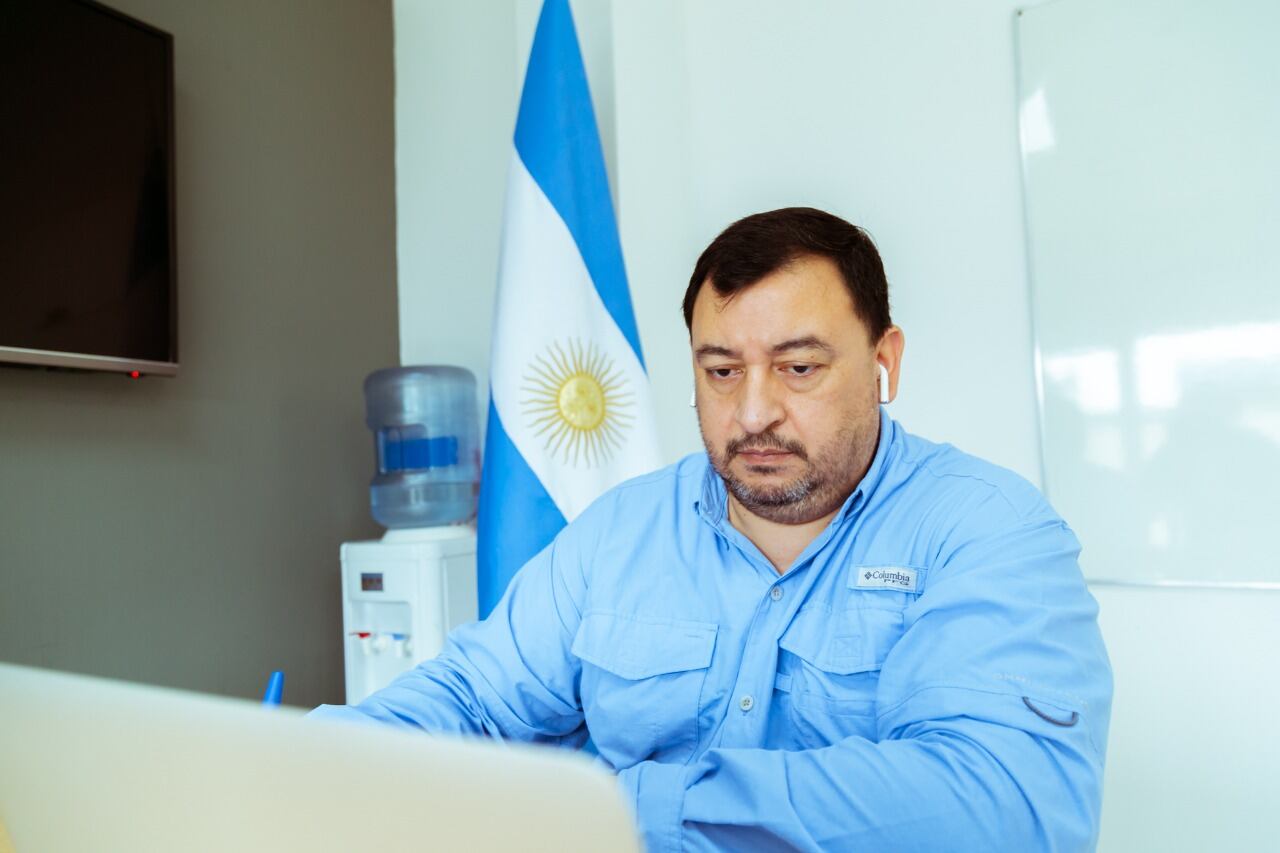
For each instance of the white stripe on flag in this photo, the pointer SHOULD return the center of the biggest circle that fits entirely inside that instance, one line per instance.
(546, 300)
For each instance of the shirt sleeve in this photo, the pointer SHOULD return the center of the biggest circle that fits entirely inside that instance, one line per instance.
(992, 712)
(511, 676)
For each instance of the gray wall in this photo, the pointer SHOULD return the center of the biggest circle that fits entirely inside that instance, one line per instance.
(185, 531)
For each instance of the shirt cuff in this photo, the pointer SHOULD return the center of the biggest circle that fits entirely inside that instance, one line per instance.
(656, 793)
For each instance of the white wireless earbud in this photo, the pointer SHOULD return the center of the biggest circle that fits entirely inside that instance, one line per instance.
(693, 399)
(884, 383)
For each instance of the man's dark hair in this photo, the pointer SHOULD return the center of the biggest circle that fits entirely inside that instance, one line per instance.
(752, 248)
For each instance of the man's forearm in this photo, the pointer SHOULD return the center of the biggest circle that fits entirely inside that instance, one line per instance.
(950, 788)
(432, 697)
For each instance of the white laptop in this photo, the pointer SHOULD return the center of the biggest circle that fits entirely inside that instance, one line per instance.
(88, 764)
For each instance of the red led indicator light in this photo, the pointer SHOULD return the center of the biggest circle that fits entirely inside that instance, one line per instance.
(135, 374)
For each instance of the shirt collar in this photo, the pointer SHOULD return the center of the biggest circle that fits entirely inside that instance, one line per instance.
(713, 501)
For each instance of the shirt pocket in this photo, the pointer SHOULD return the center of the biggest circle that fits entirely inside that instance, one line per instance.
(829, 669)
(642, 681)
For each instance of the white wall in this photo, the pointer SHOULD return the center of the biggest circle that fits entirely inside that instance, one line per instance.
(900, 117)
(1193, 752)
(456, 95)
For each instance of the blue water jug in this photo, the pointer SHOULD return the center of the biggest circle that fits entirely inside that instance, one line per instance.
(424, 426)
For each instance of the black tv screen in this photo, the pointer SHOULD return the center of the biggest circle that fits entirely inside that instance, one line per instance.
(87, 255)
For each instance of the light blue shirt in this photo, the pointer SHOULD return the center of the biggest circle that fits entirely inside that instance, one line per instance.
(928, 675)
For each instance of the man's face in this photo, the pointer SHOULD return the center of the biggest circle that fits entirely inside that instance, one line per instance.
(788, 401)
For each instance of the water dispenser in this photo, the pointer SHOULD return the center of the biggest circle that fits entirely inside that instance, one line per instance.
(402, 594)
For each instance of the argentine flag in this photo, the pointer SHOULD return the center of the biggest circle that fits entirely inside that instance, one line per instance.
(570, 412)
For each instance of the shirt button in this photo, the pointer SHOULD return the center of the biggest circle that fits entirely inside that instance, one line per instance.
(775, 593)
(746, 703)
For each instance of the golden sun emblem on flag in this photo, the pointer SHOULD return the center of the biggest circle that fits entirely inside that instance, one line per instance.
(577, 401)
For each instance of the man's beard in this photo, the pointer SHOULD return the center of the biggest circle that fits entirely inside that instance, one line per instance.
(820, 488)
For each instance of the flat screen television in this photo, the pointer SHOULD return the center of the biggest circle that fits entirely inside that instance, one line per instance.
(87, 254)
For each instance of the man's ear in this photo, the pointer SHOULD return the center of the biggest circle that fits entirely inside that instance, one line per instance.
(889, 362)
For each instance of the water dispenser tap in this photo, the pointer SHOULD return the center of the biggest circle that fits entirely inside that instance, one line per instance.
(401, 644)
(364, 638)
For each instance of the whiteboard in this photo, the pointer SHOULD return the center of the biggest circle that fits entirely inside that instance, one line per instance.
(1150, 135)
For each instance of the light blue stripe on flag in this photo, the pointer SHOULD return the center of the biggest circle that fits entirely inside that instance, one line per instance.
(508, 484)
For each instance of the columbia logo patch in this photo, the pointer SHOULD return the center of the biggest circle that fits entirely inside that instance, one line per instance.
(886, 577)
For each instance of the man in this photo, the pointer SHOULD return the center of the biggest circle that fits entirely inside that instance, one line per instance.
(823, 633)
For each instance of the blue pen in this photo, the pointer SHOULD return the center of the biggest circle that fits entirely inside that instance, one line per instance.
(275, 689)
